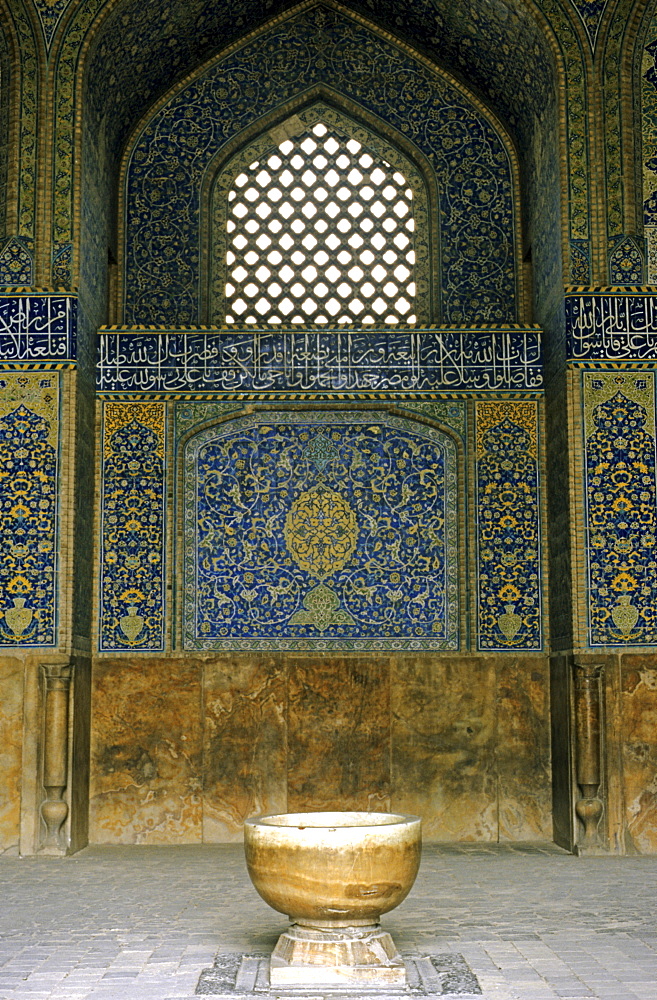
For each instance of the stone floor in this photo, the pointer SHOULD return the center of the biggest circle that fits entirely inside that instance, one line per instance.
(125, 923)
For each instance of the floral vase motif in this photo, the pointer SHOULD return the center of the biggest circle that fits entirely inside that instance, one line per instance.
(624, 614)
(19, 617)
(509, 623)
(132, 623)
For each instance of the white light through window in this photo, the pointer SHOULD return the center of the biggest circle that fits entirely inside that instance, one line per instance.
(320, 231)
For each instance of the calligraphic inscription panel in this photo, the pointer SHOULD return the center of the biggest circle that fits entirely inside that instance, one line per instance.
(38, 328)
(508, 526)
(132, 526)
(29, 441)
(273, 361)
(621, 500)
(603, 327)
(318, 530)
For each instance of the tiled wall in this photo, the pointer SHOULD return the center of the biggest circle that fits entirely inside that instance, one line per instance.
(621, 505)
(327, 527)
(29, 486)
(297, 537)
(132, 545)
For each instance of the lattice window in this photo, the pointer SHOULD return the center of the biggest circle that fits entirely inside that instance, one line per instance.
(320, 231)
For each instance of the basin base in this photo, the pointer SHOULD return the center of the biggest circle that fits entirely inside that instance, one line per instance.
(310, 955)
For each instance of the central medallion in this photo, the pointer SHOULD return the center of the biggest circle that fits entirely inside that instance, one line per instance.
(321, 532)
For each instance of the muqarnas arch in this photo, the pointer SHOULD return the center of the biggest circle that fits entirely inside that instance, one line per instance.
(262, 81)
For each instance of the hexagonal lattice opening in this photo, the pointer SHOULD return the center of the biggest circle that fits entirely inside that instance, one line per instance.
(320, 231)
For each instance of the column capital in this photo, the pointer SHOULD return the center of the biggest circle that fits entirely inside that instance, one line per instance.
(57, 674)
(587, 672)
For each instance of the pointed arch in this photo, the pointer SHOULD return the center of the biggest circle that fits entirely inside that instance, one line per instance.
(355, 122)
(471, 155)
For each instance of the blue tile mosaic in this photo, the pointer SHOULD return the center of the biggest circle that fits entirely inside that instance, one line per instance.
(508, 527)
(133, 523)
(122, 82)
(649, 129)
(62, 265)
(15, 263)
(29, 447)
(626, 262)
(611, 327)
(276, 361)
(318, 47)
(580, 262)
(320, 529)
(591, 12)
(50, 13)
(621, 495)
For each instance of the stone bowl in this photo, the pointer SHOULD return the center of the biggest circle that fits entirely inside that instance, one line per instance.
(333, 869)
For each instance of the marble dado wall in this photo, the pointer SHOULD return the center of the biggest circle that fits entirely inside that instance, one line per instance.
(30, 551)
(634, 720)
(628, 759)
(11, 751)
(185, 748)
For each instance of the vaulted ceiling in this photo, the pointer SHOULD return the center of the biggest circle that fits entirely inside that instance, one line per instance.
(497, 48)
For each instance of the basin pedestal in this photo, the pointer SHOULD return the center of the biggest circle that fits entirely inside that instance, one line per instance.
(367, 954)
(334, 874)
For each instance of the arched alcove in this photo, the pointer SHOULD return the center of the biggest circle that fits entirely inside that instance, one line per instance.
(472, 160)
(200, 467)
(138, 44)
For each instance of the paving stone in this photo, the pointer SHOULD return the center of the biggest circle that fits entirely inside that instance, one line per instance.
(136, 923)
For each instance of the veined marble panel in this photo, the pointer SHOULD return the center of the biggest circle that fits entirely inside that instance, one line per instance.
(523, 749)
(443, 746)
(244, 743)
(639, 749)
(146, 746)
(339, 734)
(11, 741)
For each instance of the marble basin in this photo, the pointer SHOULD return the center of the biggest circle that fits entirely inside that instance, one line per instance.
(334, 874)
